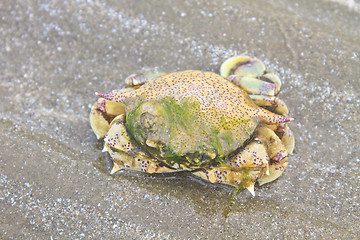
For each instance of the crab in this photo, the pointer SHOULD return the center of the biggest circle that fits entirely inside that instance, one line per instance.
(228, 128)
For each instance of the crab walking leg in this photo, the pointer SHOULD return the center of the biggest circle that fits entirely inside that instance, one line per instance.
(133, 82)
(117, 137)
(270, 77)
(249, 74)
(125, 154)
(277, 153)
(254, 155)
(263, 160)
(277, 150)
(254, 158)
(287, 138)
(285, 134)
(253, 85)
(136, 80)
(138, 162)
(118, 96)
(242, 169)
(268, 101)
(227, 175)
(268, 84)
(242, 66)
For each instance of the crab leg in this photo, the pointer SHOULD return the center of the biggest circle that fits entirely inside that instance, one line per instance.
(136, 80)
(263, 160)
(139, 163)
(287, 138)
(117, 96)
(277, 153)
(286, 135)
(266, 101)
(242, 169)
(242, 66)
(249, 74)
(270, 77)
(227, 175)
(253, 85)
(117, 137)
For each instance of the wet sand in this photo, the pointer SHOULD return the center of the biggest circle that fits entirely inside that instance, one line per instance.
(55, 181)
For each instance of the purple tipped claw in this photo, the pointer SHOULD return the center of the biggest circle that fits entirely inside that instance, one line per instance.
(104, 95)
(118, 95)
(288, 119)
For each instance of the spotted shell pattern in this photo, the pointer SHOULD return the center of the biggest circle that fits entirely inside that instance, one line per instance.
(214, 107)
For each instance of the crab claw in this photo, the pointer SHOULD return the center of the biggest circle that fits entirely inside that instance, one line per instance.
(98, 122)
(102, 113)
(117, 136)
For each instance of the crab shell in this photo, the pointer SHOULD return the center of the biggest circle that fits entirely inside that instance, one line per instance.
(199, 122)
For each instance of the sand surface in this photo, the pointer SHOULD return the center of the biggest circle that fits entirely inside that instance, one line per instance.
(54, 179)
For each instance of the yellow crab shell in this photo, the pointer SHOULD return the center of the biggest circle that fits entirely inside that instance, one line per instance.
(196, 121)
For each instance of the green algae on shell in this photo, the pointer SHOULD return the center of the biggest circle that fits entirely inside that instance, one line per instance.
(192, 118)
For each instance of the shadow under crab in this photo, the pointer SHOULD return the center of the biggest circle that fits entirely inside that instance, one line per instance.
(227, 129)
